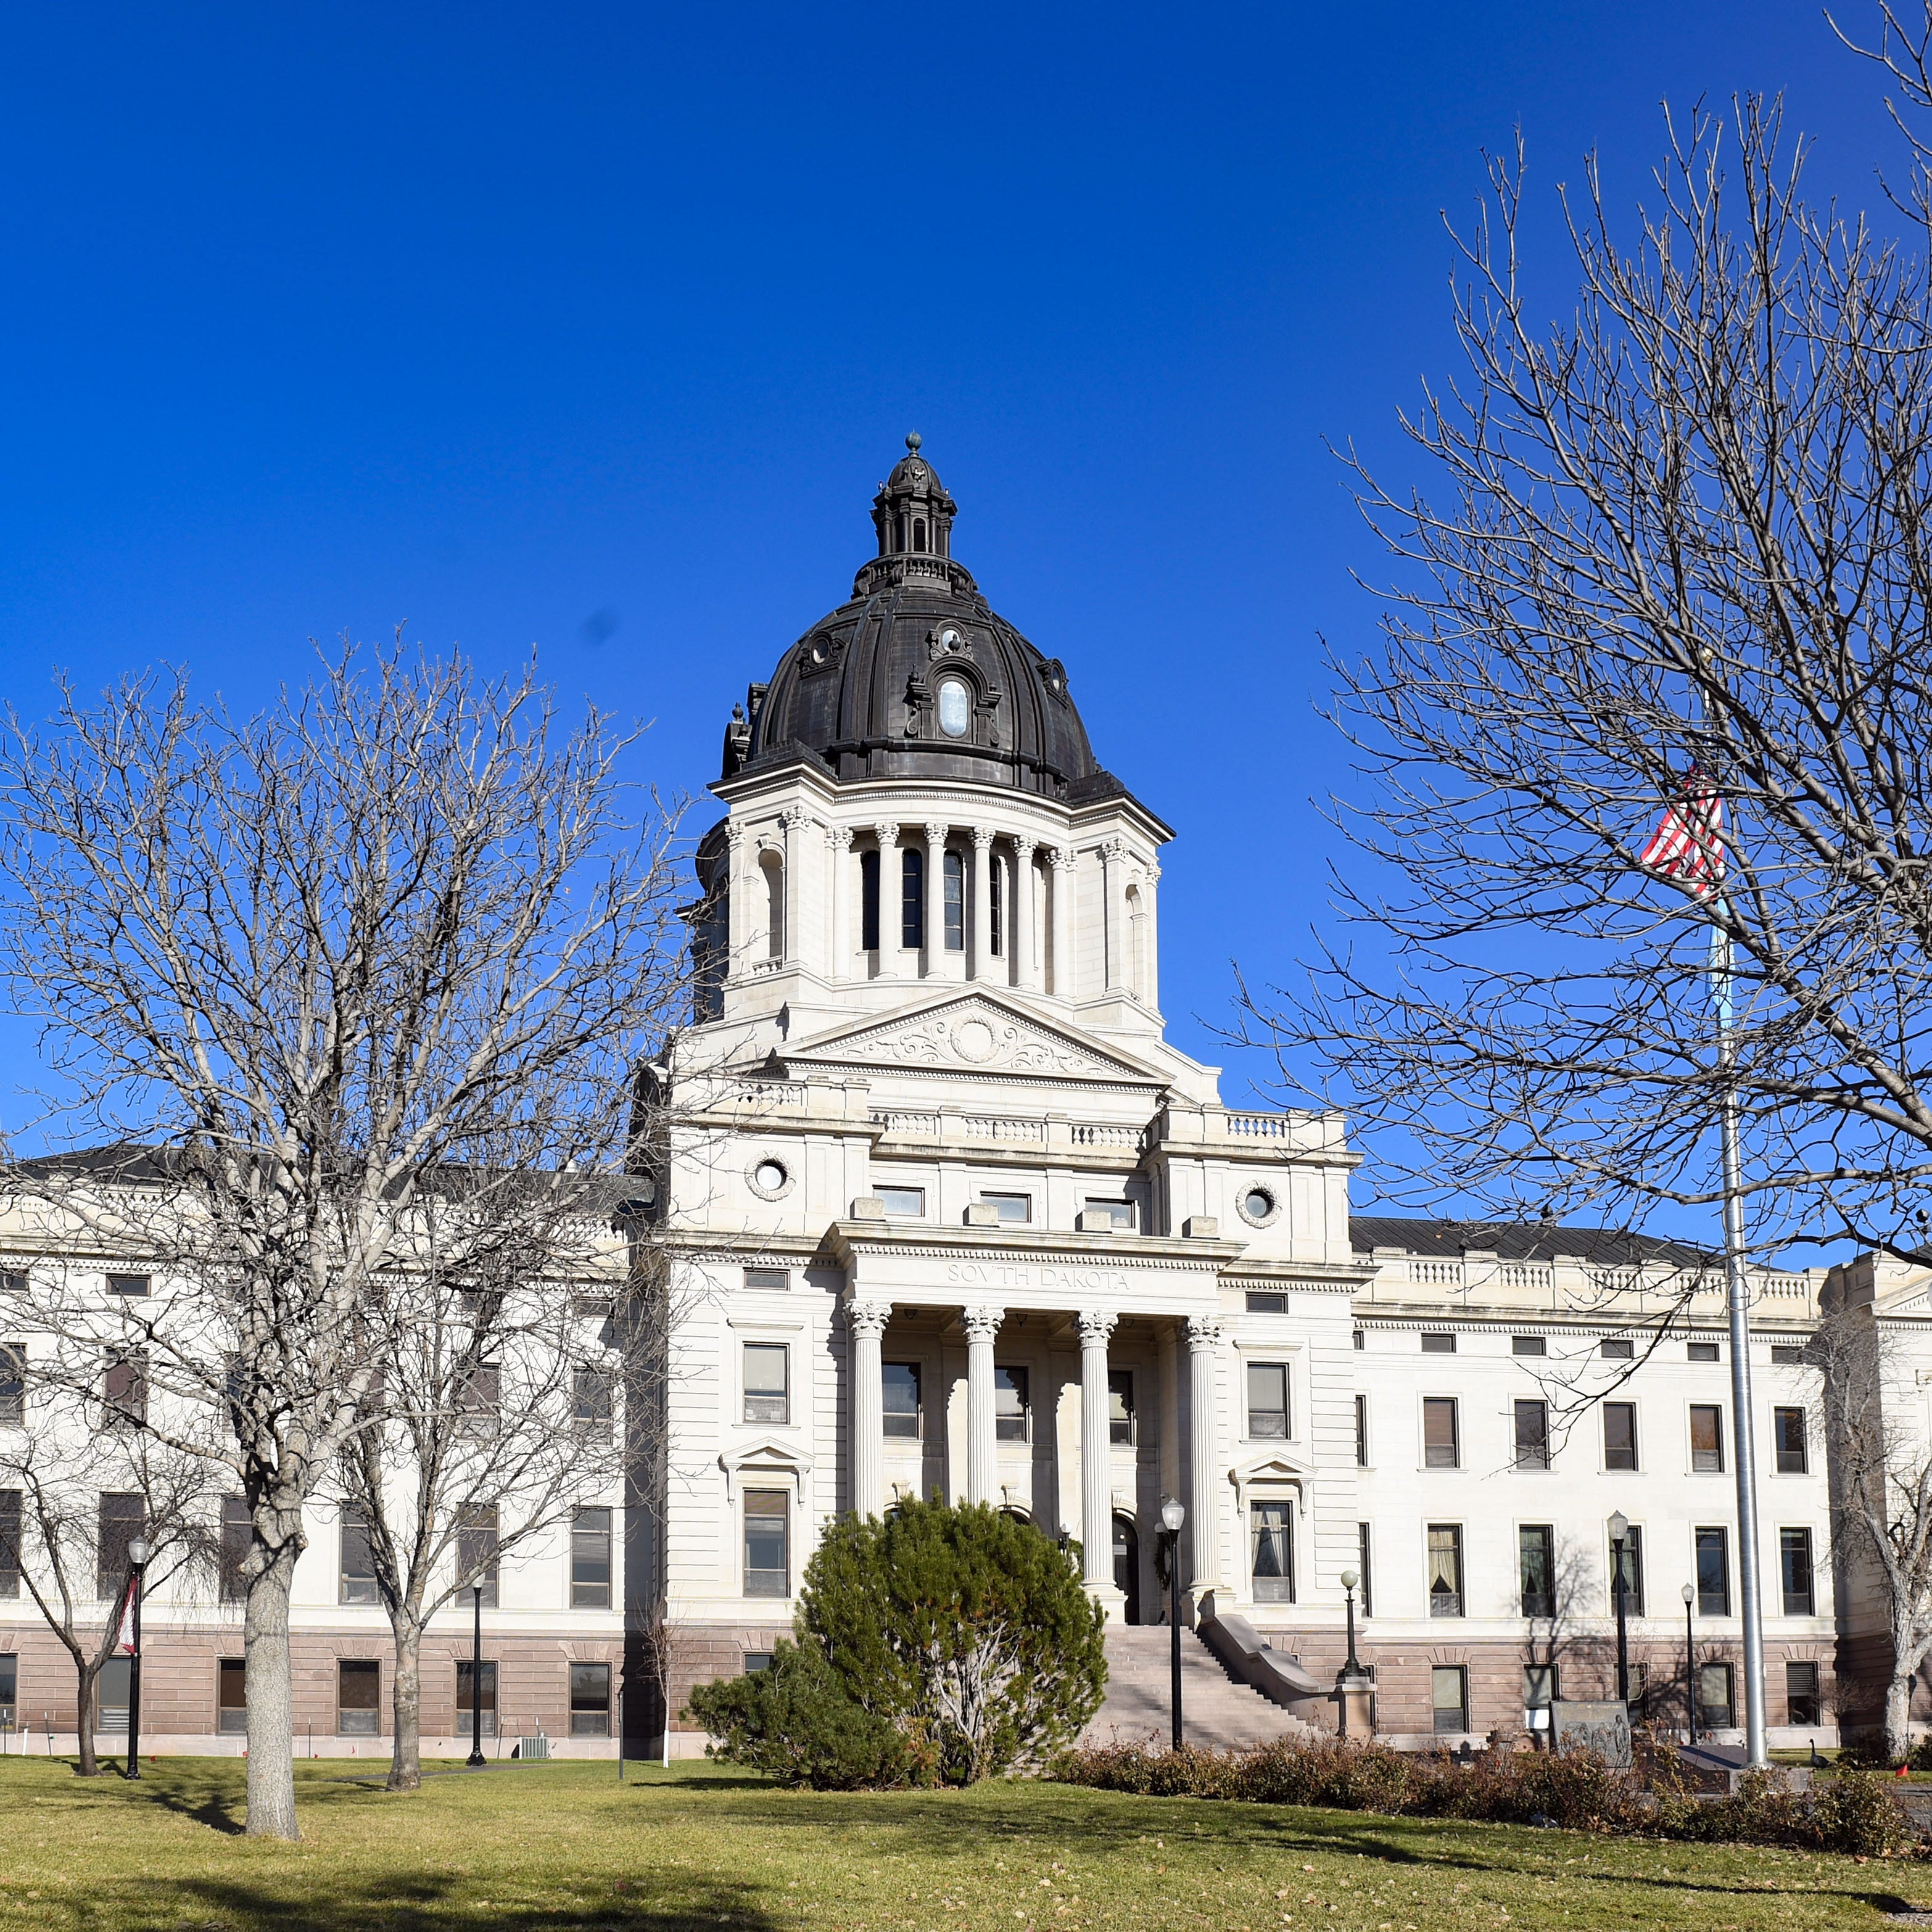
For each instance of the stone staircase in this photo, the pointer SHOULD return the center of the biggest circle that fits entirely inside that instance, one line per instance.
(1217, 1712)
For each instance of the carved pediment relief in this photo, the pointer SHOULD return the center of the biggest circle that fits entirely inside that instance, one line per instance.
(969, 1034)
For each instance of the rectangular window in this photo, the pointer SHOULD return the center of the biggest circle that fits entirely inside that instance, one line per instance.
(12, 1384)
(1449, 1693)
(1119, 1216)
(1786, 1354)
(358, 1698)
(1010, 1412)
(1009, 1208)
(910, 1201)
(996, 904)
(479, 1395)
(1442, 1448)
(122, 1518)
(1794, 1456)
(1268, 1399)
(1802, 1703)
(1438, 1344)
(1638, 1706)
(1364, 1543)
(1615, 1348)
(1532, 1434)
(756, 1660)
(766, 1388)
(955, 902)
(1714, 1572)
(1713, 1696)
(1539, 1692)
(912, 898)
(10, 1543)
(1707, 1439)
(113, 1691)
(1361, 1335)
(590, 1559)
(593, 1394)
(483, 1674)
(1620, 1435)
(10, 1688)
(1271, 1539)
(130, 1284)
(1700, 1352)
(1120, 1405)
(1536, 1559)
(1528, 1345)
(767, 1543)
(869, 902)
(124, 1390)
(1633, 1572)
(231, 1696)
(1794, 1563)
(237, 1534)
(357, 1573)
(1361, 1431)
(590, 1700)
(900, 1383)
(1267, 1303)
(1445, 1569)
(476, 1551)
(768, 1278)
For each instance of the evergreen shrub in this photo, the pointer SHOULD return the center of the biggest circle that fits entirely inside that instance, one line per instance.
(937, 1645)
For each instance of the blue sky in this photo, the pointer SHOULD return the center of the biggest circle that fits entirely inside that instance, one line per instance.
(591, 329)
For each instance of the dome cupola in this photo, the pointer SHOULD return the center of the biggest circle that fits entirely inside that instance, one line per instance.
(916, 676)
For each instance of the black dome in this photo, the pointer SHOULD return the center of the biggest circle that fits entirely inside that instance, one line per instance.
(862, 690)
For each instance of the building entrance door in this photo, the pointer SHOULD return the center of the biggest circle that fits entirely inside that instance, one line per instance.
(1127, 1566)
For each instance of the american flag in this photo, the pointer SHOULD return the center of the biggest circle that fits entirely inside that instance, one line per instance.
(1689, 841)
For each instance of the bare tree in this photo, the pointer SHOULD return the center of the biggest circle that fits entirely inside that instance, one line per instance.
(292, 968)
(1675, 541)
(84, 1486)
(495, 1414)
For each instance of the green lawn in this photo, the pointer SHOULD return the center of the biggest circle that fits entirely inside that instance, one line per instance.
(561, 1845)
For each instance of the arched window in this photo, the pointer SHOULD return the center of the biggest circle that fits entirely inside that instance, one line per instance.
(773, 867)
(869, 902)
(912, 897)
(996, 872)
(955, 902)
(919, 533)
(1136, 944)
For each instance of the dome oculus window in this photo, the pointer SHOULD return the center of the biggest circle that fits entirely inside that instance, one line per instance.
(955, 707)
(770, 1178)
(1259, 1206)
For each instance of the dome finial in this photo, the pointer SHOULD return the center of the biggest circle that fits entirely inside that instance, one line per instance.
(913, 439)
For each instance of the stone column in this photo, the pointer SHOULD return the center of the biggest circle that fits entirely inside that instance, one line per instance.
(982, 1324)
(1066, 971)
(1203, 1336)
(793, 822)
(979, 964)
(890, 890)
(935, 901)
(1019, 916)
(1114, 924)
(1096, 1489)
(865, 1323)
(838, 944)
(739, 908)
(1150, 965)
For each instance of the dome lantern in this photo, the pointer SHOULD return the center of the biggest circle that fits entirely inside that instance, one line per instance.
(912, 513)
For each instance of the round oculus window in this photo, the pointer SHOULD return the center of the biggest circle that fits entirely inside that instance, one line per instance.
(955, 707)
(771, 1176)
(1258, 1205)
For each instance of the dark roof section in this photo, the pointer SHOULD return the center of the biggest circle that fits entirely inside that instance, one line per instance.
(860, 690)
(1522, 1241)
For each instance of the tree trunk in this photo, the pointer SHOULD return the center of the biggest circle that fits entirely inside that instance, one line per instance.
(271, 1737)
(1898, 1718)
(89, 1766)
(406, 1759)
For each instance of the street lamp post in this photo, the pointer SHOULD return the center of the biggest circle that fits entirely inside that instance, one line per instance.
(476, 1760)
(1690, 1597)
(1353, 1667)
(1619, 1530)
(1172, 1515)
(139, 1551)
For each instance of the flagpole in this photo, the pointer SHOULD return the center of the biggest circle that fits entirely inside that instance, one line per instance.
(1737, 1295)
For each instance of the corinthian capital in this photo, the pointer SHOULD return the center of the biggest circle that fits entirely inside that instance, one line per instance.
(1204, 1331)
(1095, 1329)
(868, 1318)
(982, 1324)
